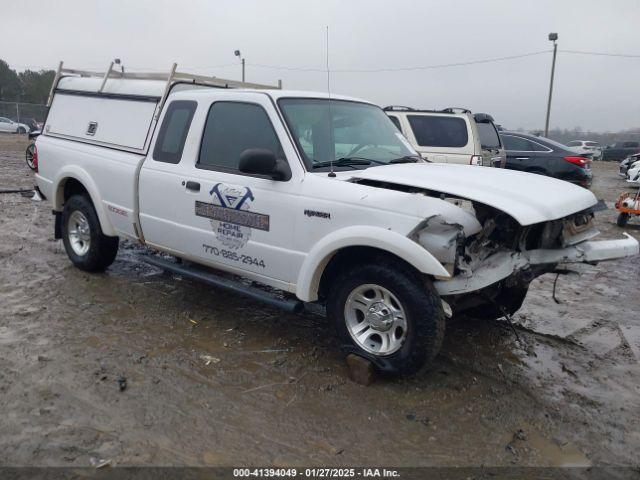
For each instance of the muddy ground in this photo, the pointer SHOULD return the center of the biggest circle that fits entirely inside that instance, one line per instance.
(215, 379)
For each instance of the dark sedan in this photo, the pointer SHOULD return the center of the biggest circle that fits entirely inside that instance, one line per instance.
(528, 153)
(620, 150)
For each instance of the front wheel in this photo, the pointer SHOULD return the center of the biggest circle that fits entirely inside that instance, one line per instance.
(623, 218)
(388, 314)
(21, 130)
(87, 247)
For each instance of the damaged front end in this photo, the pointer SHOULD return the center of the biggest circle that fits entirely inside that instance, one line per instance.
(495, 259)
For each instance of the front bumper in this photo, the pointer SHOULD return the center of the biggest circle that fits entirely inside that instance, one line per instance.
(505, 263)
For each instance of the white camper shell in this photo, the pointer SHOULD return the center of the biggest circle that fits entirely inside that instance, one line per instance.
(117, 109)
(318, 197)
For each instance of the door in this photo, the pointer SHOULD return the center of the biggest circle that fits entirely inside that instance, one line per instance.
(493, 154)
(522, 155)
(441, 138)
(205, 209)
(5, 125)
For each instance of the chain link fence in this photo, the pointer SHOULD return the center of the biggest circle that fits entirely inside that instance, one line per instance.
(30, 114)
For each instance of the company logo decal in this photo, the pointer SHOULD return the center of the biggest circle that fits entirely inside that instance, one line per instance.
(231, 218)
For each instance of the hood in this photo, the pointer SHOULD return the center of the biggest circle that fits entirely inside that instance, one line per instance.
(527, 197)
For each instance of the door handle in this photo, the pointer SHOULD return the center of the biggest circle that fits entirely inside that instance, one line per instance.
(194, 186)
(522, 158)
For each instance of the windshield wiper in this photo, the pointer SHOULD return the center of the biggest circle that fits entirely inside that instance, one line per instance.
(406, 159)
(347, 162)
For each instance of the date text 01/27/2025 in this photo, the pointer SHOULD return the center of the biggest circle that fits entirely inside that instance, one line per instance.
(233, 256)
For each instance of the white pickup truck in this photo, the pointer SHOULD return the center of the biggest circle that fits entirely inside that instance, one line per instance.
(313, 198)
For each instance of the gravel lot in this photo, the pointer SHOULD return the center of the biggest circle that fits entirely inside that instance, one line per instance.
(215, 379)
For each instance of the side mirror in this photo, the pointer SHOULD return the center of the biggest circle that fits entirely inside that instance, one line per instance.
(260, 161)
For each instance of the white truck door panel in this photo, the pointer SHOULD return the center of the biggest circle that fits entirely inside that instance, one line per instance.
(225, 219)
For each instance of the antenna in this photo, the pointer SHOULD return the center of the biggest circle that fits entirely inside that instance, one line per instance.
(331, 173)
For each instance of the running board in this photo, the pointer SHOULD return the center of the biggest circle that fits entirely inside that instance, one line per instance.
(196, 273)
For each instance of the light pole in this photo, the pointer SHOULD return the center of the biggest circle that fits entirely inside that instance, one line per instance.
(239, 55)
(552, 37)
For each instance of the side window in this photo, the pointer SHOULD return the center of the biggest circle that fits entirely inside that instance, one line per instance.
(232, 128)
(536, 147)
(439, 131)
(517, 144)
(488, 135)
(396, 122)
(173, 131)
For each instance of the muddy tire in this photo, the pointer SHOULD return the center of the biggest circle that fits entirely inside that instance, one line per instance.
(389, 315)
(87, 247)
(622, 220)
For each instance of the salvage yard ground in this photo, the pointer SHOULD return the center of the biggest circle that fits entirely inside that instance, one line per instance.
(215, 379)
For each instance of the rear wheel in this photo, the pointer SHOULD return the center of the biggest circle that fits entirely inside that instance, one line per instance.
(389, 315)
(623, 218)
(87, 247)
(29, 155)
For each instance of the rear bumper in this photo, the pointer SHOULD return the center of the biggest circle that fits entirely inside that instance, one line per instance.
(504, 264)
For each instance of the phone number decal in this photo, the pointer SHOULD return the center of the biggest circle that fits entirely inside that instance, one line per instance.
(233, 256)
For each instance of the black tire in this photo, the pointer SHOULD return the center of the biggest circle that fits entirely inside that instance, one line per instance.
(29, 156)
(511, 299)
(101, 250)
(21, 131)
(418, 298)
(622, 220)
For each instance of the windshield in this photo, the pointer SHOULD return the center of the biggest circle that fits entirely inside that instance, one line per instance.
(358, 131)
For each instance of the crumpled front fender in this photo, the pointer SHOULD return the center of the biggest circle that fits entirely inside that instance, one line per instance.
(505, 263)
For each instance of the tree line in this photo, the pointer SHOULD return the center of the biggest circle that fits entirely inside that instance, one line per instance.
(28, 86)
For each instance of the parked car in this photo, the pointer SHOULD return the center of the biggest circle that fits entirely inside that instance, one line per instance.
(9, 126)
(453, 135)
(633, 175)
(627, 163)
(594, 149)
(319, 198)
(528, 153)
(31, 123)
(620, 150)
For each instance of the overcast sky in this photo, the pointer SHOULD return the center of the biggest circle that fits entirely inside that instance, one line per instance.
(593, 92)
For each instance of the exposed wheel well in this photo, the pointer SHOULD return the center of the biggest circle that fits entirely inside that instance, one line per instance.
(72, 187)
(349, 256)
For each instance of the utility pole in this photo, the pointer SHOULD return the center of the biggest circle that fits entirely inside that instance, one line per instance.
(552, 37)
(238, 54)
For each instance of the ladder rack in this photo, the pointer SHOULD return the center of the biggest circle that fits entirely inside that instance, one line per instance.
(171, 78)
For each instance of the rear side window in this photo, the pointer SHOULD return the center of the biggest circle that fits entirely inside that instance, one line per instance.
(232, 128)
(517, 144)
(436, 131)
(488, 135)
(173, 131)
